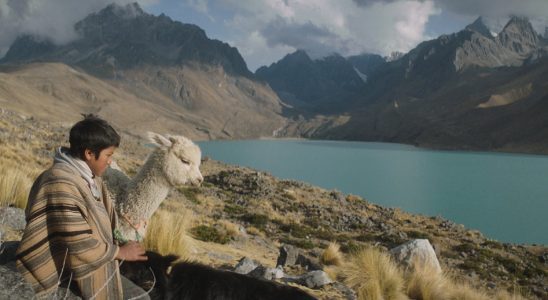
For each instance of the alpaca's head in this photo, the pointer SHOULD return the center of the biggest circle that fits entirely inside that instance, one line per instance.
(182, 159)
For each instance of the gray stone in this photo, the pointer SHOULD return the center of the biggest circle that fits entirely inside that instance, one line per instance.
(314, 279)
(267, 273)
(7, 251)
(14, 287)
(349, 294)
(416, 251)
(308, 263)
(13, 217)
(245, 265)
(288, 255)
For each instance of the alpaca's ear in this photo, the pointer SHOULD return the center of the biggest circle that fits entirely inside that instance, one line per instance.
(158, 140)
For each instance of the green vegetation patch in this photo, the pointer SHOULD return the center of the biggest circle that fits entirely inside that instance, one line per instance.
(234, 209)
(209, 234)
(257, 220)
(418, 235)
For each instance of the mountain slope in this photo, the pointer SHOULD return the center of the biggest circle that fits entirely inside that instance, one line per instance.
(57, 92)
(204, 85)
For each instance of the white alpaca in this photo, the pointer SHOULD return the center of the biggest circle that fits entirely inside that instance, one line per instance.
(175, 161)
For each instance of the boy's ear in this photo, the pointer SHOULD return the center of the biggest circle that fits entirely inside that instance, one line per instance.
(88, 154)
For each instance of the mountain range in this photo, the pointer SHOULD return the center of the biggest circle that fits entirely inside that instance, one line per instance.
(468, 90)
(131, 60)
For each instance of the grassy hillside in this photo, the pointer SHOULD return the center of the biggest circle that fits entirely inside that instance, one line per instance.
(241, 212)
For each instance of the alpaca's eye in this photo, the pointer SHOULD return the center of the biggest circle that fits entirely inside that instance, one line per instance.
(187, 162)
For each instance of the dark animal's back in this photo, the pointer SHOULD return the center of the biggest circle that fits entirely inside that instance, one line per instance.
(195, 281)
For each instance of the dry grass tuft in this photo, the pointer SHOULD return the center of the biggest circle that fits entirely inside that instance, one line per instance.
(332, 271)
(504, 295)
(374, 276)
(231, 229)
(463, 291)
(15, 184)
(255, 231)
(427, 283)
(332, 255)
(167, 233)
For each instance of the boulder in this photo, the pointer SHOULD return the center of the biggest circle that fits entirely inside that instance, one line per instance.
(288, 255)
(314, 279)
(418, 251)
(245, 265)
(7, 251)
(14, 287)
(13, 217)
(267, 273)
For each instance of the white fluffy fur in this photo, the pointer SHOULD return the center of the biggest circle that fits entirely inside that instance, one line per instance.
(175, 161)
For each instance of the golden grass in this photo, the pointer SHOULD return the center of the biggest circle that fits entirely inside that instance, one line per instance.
(374, 276)
(332, 272)
(332, 256)
(231, 229)
(255, 231)
(427, 283)
(463, 291)
(504, 295)
(167, 233)
(15, 184)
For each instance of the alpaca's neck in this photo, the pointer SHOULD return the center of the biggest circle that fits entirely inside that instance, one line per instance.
(147, 189)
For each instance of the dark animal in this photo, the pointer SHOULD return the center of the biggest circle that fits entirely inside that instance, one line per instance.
(193, 281)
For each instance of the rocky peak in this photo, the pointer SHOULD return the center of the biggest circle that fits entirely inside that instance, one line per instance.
(395, 55)
(124, 37)
(131, 10)
(519, 36)
(479, 26)
(299, 56)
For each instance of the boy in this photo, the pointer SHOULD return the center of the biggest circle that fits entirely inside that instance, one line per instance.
(70, 219)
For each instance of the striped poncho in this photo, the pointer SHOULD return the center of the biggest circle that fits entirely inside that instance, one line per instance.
(69, 236)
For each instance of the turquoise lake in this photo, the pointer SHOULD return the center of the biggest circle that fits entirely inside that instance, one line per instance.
(505, 196)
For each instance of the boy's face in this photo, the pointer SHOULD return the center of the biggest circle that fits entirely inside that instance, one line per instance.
(100, 164)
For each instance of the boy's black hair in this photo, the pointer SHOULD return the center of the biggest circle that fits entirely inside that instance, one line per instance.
(92, 133)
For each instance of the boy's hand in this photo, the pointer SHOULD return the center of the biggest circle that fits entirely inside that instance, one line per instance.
(132, 251)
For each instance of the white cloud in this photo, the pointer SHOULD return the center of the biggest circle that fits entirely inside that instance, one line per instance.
(322, 27)
(52, 19)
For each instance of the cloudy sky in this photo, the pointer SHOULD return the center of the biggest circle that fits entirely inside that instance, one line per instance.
(266, 30)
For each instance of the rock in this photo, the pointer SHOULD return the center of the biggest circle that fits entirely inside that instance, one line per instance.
(245, 265)
(416, 251)
(14, 287)
(314, 279)
(308, 263)
(288, 255)
(349, 294)
(7, 251)
(13, 217)
(267, 273)
(491, 285)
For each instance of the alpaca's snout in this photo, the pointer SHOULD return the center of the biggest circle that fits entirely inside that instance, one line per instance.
(196, 181)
